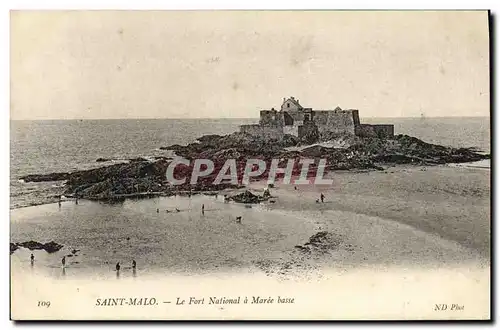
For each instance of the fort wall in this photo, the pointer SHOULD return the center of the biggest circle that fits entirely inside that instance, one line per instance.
(336, 121)
(270, 118)
(296, 120)
(365, 130)
(382, 130)
(296, 116)
(267, 132)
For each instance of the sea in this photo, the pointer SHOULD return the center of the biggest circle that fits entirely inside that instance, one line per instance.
(163, 234)
(40, 147)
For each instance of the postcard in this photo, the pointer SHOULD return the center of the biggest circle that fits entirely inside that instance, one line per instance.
(250, 165)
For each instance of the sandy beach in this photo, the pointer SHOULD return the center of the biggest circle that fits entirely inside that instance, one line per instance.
(419, 229)
(401, 216)
(122, 125)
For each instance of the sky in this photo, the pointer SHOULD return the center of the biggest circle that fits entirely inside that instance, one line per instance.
(223, 64)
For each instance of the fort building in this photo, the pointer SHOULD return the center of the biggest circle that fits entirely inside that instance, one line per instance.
(302, 122)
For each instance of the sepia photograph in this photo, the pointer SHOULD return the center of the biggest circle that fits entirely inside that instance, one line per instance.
(250, 165)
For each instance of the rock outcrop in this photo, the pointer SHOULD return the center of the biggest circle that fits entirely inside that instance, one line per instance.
(46, 177)
(247, 197)
(50, 247)
(142, 177)
(321, 242)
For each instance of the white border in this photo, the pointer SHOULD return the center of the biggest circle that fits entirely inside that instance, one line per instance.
(174, 5)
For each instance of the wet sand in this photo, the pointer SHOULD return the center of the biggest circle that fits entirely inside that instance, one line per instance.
(404, 216)
(448, 201)
(412, 237)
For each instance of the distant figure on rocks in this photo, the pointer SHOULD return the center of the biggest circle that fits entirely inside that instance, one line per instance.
(63, 261)
(266, 194)
(322, 198)
(134, 264)
(157, 210)
(117, 267)
(295, 187)
(203, 209)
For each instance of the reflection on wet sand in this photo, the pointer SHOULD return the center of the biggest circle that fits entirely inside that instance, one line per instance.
(274, 239)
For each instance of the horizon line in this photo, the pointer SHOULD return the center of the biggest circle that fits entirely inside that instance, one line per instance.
(216, 118)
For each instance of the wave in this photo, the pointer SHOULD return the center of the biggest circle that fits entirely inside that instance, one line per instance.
(480, 164)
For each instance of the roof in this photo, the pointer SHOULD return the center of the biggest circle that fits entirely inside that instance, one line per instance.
(294, 101)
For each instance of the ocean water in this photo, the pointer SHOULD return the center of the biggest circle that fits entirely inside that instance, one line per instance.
(38, 147)
(188, 242)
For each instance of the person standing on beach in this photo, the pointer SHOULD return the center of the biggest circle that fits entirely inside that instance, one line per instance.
(117, 267)
(322, 198)
(76, 201)
(32, 258)
(134, 264)
(203, 209)
(63, 261)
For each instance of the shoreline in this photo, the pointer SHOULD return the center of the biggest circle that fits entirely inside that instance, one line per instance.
(233, 151)
(362, 222)
(471, 164)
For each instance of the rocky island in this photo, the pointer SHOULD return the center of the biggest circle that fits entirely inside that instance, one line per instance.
(335, 137)
(142, 177)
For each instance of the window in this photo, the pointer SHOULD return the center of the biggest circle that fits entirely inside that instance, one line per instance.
(288, 105)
